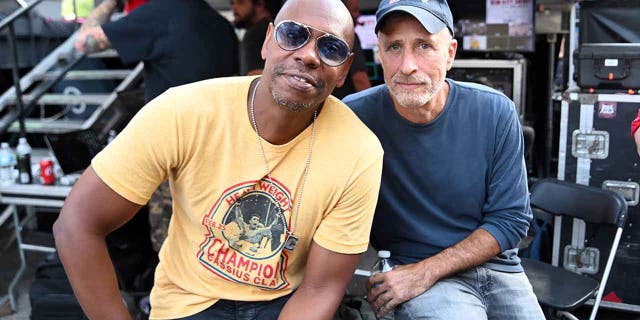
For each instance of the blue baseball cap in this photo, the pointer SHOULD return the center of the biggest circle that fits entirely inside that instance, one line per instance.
(434, 15)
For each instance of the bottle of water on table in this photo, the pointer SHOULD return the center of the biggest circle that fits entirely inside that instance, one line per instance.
(7, 164)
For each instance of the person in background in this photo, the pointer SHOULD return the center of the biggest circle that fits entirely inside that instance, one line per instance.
(635, 133)
(179, 41)
(75, 9)
(255, 16)
(274, 184)
(454, 202)
(358, 78)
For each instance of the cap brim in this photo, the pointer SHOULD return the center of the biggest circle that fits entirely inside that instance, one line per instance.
(429, 21)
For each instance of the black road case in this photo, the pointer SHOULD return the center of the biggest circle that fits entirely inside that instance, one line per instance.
(596, 149)
(608, 66)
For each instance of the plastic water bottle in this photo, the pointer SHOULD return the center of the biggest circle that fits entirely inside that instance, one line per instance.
(23, 151)
(112, 136)
(7, 164)
(383, 265)
(383, 261)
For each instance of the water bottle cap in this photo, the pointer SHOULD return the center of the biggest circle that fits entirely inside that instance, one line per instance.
(384, 254)
(22, 140)
(4, 145)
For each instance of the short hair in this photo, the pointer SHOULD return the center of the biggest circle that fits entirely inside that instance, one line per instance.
(272, 6)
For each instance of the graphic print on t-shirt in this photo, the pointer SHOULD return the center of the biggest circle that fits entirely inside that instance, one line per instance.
(246, 230)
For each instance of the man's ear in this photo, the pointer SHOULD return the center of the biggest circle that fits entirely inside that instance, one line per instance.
(451, 53)
(265, 44)
(345, 71)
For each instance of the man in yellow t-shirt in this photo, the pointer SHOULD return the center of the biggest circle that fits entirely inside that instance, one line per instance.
(274, 183)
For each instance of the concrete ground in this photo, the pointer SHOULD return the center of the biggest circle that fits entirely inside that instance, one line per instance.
(9, 264)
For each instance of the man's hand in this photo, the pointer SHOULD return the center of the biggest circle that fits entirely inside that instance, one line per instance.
(91, 37)
(389, 289)
(408, 281)
(92, 40)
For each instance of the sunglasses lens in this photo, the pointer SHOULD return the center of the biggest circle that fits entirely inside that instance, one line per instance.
(291, 36)
(333, 51)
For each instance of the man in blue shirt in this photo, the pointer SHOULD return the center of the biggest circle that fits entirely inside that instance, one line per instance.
(454, 201)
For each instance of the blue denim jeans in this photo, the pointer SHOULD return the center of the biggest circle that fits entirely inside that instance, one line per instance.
(479, 293)
(242, 310)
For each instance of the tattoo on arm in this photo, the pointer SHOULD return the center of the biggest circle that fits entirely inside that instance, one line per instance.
(101, 14)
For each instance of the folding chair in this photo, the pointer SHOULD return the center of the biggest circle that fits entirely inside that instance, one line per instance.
(555, 287)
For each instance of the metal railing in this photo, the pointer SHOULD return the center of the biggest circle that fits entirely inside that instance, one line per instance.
(8, 22)
(23, 110)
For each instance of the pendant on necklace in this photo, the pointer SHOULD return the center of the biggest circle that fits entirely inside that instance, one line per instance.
(291, 241)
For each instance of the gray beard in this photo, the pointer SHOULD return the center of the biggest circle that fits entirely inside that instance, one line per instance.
(408, 102)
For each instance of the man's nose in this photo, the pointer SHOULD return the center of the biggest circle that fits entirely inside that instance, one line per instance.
(308, 55)
(408, 64)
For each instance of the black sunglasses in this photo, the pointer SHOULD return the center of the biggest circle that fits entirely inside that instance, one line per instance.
(291, 36)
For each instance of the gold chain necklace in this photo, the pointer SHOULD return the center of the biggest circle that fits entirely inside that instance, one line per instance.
(292, 240)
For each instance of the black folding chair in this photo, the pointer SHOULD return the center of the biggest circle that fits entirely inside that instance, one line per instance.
(559, 289)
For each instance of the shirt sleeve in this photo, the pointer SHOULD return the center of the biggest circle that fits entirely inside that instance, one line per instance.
(135, 37)
(141, 156)
(506, 212)
(347, 226)
(635, 124)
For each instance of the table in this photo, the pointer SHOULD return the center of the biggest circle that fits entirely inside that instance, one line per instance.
(30, 196)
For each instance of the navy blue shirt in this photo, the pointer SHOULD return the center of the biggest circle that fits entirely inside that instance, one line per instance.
(442, 180)
(251, 47)
(180, 41)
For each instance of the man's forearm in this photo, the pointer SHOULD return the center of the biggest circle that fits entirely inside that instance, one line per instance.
(101, 14)
(476, 249)
(326, 278)
(324, 302)
(90, 270)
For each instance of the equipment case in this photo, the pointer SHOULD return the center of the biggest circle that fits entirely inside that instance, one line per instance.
(608, 66)
(506, 76)
(596, 149)
(51, 295)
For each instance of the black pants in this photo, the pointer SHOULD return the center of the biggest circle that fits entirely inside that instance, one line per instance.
(242, 310)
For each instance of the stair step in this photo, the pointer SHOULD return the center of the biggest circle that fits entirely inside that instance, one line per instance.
(39, 126)
(87, 75)
(63, 99)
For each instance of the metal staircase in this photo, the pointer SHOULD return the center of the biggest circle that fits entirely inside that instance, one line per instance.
(58, 66)
(35, 89)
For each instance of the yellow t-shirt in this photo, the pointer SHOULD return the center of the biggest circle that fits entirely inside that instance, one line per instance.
(229, 223)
